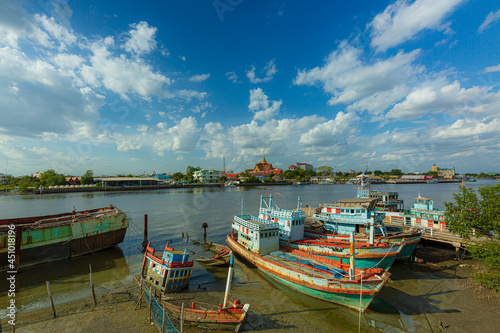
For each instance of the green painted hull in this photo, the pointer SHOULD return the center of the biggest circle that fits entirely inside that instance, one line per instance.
(349, 300)
(365, 263)
(48, 238)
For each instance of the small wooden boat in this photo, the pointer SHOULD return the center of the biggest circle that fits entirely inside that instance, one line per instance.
(169, 271)
(221, 258)
(229, 318)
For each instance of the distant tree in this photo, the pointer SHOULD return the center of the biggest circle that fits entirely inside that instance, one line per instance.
(87, 178)
(129, 175)
(396, 172)
(189, 172)
(51, 178)
(221, 179)
(325, 170)
(252, 179)
(177, 176)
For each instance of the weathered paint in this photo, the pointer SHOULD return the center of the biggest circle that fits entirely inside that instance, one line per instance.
(410, 240)
(47, 238)
(366, 256)
(342, 291)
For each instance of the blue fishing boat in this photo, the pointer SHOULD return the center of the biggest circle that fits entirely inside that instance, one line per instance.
(169, 271)
(423, 214)
(291, 224)
(257, 240)
(338, 220)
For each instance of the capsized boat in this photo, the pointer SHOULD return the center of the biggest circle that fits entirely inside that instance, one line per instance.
(257, 240)
(40, 239)
(291, 224)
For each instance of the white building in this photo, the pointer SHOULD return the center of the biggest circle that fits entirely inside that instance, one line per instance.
(206, 176)
(4, 176)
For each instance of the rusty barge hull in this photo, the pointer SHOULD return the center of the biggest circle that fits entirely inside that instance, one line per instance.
(41, 239)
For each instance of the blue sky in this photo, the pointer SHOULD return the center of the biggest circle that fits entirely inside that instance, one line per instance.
(128, 87)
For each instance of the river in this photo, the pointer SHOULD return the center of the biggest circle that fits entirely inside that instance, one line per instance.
(176, 212)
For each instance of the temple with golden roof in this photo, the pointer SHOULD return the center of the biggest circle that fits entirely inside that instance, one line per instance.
(263, 166)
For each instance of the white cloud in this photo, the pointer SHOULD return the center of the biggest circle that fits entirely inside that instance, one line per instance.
(268, 71)
(260, 105)
(348, 79)
(59, 33)
(128, 145)
(402, 21)
(492, 17)
(142, 39)
(231, 76)
(439, 96)
(199, 78)
(211, 127)
(121, 75)
(332, 132)
(181, 138)
(492, 69)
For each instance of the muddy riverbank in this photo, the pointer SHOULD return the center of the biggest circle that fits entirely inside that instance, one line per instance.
(423, 297)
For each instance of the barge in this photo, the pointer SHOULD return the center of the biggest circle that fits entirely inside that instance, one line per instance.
(33, 240)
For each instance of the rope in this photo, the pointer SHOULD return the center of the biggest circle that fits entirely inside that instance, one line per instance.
(360, 304)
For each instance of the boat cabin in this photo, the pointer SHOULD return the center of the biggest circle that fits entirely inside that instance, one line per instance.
(170, 271)
(256, 234)
(290, 222)
(353, 215)
(423, 214)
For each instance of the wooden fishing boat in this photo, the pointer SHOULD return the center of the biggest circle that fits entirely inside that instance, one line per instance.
(291, 224)
(169, 271)
(221, 258)
(257, 240)
(338, 220)
(229, 318)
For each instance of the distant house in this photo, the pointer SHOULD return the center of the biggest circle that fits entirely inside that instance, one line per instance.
(445, 173)
(228, 175)
(207, 176)
(299, 165)
(4, 176)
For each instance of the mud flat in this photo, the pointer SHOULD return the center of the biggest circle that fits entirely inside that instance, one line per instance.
(424, 297)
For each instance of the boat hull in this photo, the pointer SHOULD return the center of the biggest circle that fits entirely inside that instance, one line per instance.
(343, 292)
(410, 241)
(68, 238)
(366, 257)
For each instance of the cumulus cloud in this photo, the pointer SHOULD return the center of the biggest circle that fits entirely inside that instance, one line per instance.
(402, 21)
(492, 17)
(181, 138)
(122, 75)
(439, 96)
(199, 78)
(141, 39)
(268, 71)
(349, 79)
(332, 132)
(260, 105)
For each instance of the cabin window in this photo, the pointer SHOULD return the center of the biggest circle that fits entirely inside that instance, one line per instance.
(260, 235)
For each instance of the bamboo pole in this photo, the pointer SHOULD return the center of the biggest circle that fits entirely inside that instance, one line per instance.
(142, 293)
(150, 301)
(163, 319)
(92, 286)
(51, 300)
(182, 317)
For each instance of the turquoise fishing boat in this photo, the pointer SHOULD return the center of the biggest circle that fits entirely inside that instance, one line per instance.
(257, 241)
(291, 224)
(338, 220)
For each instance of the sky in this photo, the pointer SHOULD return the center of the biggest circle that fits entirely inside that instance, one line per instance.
(123, 87)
